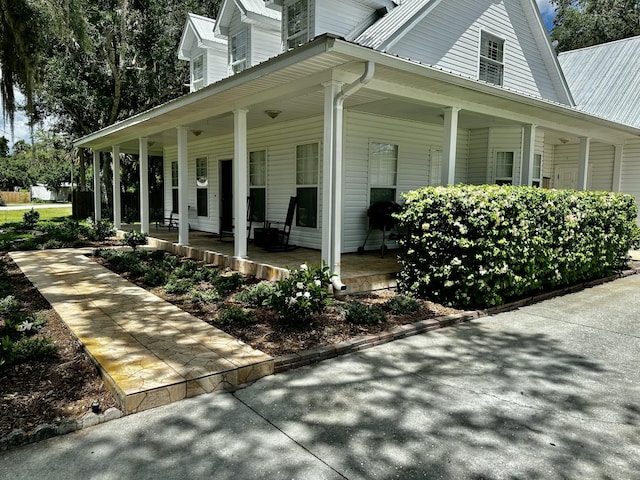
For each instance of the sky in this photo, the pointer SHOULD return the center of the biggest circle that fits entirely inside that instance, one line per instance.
(21, 128)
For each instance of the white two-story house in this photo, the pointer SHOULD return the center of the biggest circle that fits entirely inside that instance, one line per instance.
(344, 103)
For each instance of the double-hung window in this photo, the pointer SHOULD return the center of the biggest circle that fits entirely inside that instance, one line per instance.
(174, 187)
(202, 187)
(258, 184)
(239, 51)
(504, 168)
(297, 23)
(307, 185)
(383, 172)
(197, 72)
(491, 59)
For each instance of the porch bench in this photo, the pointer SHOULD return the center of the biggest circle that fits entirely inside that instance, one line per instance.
(170, 222)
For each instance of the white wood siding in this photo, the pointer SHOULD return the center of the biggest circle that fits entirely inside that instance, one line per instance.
(507, 139)
(600, 171)
(264, 44)
(216, 64)
(340, 16)
(478, 156)
(415, 142)
(449, 38)
(631, 169)
(548, 162)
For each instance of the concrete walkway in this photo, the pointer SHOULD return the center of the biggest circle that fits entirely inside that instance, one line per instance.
(546, 392)
(150, 352)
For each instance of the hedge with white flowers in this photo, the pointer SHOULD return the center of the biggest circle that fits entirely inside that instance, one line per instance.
(478, 246)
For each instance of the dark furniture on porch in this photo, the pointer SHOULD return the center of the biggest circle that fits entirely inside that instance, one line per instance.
(226, 234)
(275, 239)
(381, 217)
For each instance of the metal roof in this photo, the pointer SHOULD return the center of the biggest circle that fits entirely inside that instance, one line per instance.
(605, 79)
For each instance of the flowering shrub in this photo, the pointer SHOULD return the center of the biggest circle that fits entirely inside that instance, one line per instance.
(305, 292)
(134, 239)
(476, 246)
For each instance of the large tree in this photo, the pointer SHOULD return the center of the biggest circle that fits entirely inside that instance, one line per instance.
(582, 23)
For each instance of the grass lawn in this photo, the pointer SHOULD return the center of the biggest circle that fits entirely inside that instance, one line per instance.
(52, 214)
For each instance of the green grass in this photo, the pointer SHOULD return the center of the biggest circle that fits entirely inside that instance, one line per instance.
(51, 214)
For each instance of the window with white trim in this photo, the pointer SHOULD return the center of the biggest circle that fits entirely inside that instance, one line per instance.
(504, 168)
(174, 187)
(491, 59)
(297, 24)
(307, 185)
(258, 184)
(202, 187)
(383, 172)
(239, 51)
(536, 180)
(197, 72)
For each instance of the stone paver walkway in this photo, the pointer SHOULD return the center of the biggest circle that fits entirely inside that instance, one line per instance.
(150, 352)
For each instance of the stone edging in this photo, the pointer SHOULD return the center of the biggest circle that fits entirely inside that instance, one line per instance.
(289, 362)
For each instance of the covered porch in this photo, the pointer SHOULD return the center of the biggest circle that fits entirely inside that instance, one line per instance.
(360, 273)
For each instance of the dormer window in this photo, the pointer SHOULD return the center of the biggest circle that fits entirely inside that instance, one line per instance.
(197, 72)
(491, 58)
(297, 23)
(238, 51)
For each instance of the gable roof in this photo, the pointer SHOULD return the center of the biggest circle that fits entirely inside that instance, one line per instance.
(201, 30)
(391, 28)
(252, 10)
(605, 79)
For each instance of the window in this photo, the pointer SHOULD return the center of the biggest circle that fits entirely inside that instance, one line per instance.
(174, 187)
(202, 187)
(504, 168)
(258, 184)
(491, 58)
(197, 72)
(307, 185)
(297, 23)
(537, 170)
(239, 51)
(383, 172)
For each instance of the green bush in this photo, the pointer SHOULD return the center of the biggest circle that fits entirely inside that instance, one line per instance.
(134, 239)
(226, 284)
(477, 246)
(178, 285)
(208, 295)
(30, 219)
(359, 314)
(402, 305)
(9, 305)
(155, 277)
(255, 295)
(101, 230)
(305, 292)
(235, 314)
(27, 349)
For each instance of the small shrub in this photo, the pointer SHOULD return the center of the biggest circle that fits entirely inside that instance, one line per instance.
(134, 239)
(187, 269)
(67, 231)
(30, 219)
(359, 314)
(208, 295)
(178, 286)
(304, 293)
(256, 295)
(155, 277)
(9, 305)
(53, 244)
(402, 305)
(2, 202)
(27, 349)
(237, 315)
(101, 230)
(225, 284)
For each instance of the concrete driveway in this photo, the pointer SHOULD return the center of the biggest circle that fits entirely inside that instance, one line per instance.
(547, 392)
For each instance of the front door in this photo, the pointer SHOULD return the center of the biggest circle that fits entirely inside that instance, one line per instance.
(565, 178)
(226, 195)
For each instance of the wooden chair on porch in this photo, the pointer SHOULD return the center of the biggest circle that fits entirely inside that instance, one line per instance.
(228, 233)
(274, 239)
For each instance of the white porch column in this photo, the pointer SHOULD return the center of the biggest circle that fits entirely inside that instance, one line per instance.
(183, 184)
(528, 153)
(583, 163)
(117, 200)
(617, 168)
(144, 184)
(449, 141)
(240, 181)
(97, 197)
(332, 148)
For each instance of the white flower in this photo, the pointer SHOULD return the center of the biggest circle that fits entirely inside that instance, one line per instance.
(304, 267)
(25, 326)
(298, 294)
(307, 295)
(292, 300)
(299, 285)
(317, 283)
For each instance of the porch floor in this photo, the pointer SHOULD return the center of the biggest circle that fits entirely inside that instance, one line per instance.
(360, 273)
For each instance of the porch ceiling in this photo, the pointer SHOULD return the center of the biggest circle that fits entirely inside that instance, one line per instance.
(292, 84)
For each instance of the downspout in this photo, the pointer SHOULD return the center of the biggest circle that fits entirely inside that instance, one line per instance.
(335, 248)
